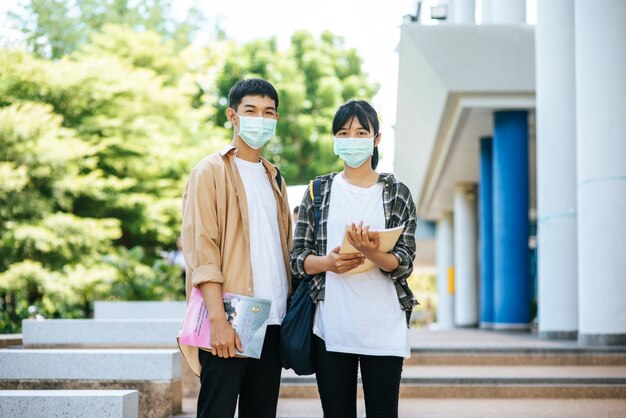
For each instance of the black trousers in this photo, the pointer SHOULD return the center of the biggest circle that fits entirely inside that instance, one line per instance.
(254, 382)
(337, 382)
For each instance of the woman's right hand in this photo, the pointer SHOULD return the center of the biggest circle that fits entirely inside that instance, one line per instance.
(224, 339)
(343, 263)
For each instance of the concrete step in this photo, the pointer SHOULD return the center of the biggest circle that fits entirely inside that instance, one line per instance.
(564, 382)
(69, 403)
(155, 374)
(480, 347)
(139, 310)
(95, 333)
(461, 408)
(510, 357)
(9, 340)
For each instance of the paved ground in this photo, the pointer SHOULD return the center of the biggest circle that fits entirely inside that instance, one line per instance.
(471, 408)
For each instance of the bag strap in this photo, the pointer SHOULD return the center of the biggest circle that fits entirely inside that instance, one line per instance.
(279, 179)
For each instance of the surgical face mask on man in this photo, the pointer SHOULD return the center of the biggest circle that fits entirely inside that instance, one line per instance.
(354, 151)
(256, 131)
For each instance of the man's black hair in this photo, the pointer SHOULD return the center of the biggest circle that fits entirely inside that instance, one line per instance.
(364, 113)
(251, 87)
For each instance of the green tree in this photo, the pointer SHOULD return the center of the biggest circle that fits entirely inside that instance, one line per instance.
(137, 119)
(94, 151)
(97, 142)
(313, 78)
(41, 241)
(55, 28)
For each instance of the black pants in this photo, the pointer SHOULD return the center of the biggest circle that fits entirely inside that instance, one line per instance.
(337, 382)
(255, 382)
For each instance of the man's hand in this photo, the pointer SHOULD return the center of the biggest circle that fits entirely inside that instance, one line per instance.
(342, 263)
(363, 240)
(224, 339)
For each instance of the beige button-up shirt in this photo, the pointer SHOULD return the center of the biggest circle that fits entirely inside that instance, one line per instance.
(215, 229)
(216, 233)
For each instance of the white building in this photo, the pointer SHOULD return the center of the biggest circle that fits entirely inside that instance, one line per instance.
(512, 139)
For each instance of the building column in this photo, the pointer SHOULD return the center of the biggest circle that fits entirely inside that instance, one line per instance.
(600, 52)
(512, 286)
(485, 226)
(556, 176)
(465, 257)
(445, 271)
(462, 12)
(504, 11)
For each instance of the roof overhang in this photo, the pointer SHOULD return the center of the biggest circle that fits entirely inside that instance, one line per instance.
(451, 79)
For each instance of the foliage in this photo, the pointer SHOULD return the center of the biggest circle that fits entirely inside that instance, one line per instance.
(55, 28)
(100, 123)
(93, 162)
(424, 286)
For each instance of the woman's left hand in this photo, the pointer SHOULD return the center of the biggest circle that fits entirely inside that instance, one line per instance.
(363, 240)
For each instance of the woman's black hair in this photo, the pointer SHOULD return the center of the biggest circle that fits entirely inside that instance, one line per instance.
(251, 87)
(364, 113)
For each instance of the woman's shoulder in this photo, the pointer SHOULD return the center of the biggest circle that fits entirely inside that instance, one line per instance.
(393, 181)
(326, 177)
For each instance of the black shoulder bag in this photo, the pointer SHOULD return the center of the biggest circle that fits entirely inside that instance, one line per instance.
(296, 331)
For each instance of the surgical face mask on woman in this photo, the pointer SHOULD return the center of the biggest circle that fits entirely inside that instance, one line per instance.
(354, 151)
(256, 131)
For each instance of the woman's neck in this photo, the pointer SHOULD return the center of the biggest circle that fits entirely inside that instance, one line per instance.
(363, 176)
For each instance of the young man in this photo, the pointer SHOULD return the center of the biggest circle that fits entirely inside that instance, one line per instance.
(236, 237)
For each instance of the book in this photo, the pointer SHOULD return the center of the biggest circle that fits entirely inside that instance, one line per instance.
(247, 315)
(388, 239)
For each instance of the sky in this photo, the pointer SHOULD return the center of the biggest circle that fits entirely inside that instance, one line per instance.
(370, 26)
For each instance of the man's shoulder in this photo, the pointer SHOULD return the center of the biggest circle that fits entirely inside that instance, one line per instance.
(210, 163)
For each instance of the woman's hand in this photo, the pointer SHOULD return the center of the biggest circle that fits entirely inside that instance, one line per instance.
(342, 263)
(363, 240)
(368, 243)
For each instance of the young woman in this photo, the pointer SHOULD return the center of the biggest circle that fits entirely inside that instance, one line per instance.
(361, 318)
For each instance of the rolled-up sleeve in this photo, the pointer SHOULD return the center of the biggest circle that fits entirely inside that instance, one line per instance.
(304, 242)
(200, 235)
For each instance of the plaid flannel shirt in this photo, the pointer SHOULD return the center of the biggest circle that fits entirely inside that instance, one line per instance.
(399, 210)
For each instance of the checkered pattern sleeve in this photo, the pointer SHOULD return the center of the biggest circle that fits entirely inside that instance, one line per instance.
(403, 212)
(304, 243)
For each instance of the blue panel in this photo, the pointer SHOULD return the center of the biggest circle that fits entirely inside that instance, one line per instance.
(425, 229)
(512, 285)
(485, 224)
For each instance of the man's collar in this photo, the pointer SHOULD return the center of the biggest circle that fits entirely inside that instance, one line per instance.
(230, 148)
(227, 148)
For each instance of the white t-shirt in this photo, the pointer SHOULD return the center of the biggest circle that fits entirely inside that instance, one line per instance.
(268, 267)
(361, 313)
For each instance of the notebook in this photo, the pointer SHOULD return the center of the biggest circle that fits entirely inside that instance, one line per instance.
(388, 239)
(248, 316)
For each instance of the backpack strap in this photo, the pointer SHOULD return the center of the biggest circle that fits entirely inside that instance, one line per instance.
(316, 194)
(279, 179)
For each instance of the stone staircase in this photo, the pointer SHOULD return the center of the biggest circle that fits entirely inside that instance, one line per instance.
(474, 373)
